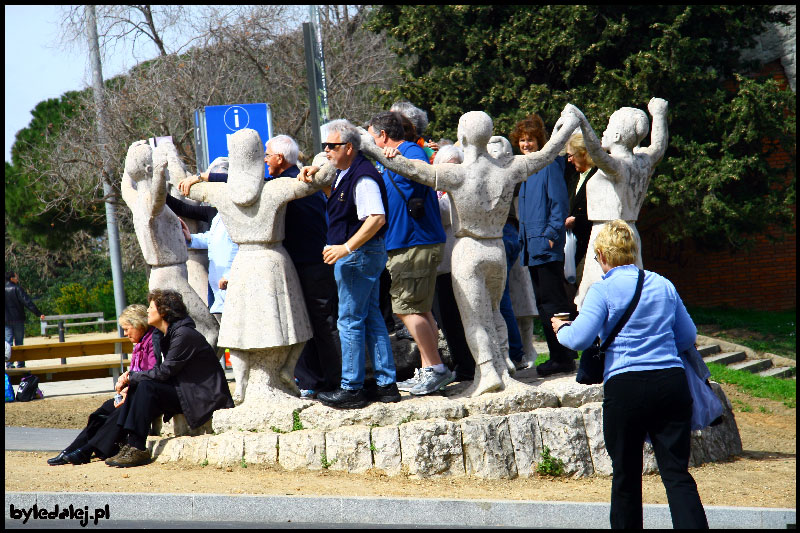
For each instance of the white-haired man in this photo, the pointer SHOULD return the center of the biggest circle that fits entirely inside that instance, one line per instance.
(319, 366)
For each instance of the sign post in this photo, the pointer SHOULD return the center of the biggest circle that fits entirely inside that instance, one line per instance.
(315, 74)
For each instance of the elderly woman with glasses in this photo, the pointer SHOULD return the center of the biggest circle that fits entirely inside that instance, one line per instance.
(646, 393)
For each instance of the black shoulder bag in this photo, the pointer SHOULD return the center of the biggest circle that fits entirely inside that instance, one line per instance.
(593, 358)
(415, 206)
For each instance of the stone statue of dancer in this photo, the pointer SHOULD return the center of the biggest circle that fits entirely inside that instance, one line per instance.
(480, 191)
(618, 188)
(158, 230)
(265, 323)
(520, 287)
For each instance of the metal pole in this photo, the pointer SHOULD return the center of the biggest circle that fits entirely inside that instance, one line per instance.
(102, 140)
(308, 41)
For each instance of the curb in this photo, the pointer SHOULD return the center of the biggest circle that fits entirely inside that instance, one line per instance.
(361, 510)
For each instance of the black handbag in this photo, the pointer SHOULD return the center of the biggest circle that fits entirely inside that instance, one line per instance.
(593, 358)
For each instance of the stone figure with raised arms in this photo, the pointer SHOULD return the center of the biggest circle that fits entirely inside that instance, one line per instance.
(618, 189)
(480, 191)
(158, 230)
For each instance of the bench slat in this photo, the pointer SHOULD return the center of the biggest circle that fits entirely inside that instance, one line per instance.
(69, 367)
(69, 324)
(98, 314)
(57, 350)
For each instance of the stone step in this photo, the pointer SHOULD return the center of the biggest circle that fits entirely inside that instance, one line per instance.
(779, 372)
(726, 358)
(753, 365)
(709, 350)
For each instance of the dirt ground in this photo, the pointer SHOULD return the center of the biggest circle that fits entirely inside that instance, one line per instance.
(763, 476)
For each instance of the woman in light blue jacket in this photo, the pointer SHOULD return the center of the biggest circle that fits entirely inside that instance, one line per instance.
(645, 387)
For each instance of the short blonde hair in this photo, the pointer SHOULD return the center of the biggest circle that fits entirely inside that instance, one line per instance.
(135, 316)
(617, 242)
(577, 145)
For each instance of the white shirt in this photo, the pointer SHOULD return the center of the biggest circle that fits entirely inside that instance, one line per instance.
(367, 195)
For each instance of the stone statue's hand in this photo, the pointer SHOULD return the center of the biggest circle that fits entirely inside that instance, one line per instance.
(306, 173)
(186, 184)
(390, 152)
(657, 106)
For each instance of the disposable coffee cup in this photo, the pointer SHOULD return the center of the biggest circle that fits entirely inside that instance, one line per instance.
(562, 316)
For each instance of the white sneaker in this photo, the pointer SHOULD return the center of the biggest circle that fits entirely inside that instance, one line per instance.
(432, 381)
(410, 383)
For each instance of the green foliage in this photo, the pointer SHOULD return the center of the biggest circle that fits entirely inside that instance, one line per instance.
(782, 390)
(324, 461)
(549, 465)
(714, 184)
(297, 424)
(27, 218)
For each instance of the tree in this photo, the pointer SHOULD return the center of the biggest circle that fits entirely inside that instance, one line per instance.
(714, 184)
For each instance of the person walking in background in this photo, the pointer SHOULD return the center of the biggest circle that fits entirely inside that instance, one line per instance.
(16, 302)
(645, 390)
(543, 204)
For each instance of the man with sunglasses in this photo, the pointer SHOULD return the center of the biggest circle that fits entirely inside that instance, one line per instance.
(357, 207)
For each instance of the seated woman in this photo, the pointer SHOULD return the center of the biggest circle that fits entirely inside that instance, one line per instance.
(189, 381)
(99, 437)
(645, 390)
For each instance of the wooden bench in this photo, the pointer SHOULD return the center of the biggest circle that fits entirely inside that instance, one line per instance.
(61, 322)
(113, 366)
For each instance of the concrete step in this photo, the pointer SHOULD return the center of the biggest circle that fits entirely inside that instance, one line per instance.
(709, 350)
(779, 372)
(726, 358)
(752, 365)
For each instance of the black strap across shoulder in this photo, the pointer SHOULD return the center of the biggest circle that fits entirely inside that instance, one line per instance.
(628, 312)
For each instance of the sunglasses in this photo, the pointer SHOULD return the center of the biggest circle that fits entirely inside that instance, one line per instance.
(331, 146)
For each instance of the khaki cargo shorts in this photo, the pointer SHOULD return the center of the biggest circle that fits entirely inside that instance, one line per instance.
(413, 272)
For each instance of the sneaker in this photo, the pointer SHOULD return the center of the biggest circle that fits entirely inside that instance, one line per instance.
(383, 394)
(308, 394)
(432, 381)
(134, 457)
(550, 367)
(112, 461)
(344, 399)
(410, 383)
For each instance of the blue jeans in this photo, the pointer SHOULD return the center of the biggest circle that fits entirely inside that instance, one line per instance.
(361, 325)
(511, 242)
(15, 333)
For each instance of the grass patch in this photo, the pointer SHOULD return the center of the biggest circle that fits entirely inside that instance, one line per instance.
(782, 390)
(762, 331)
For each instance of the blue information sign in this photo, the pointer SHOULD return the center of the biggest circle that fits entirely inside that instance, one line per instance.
(215, 124)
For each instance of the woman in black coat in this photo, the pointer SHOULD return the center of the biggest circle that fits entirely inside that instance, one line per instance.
(189, 381)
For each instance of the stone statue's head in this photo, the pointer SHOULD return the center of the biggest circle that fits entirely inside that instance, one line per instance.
(627, 126)
(500, 148)
(139, 161)
(475, 129)
(246, 160)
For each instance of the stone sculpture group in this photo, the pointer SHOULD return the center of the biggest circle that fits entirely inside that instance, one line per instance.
(265, 323)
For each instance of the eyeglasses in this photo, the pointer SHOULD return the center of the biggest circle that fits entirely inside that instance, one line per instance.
(595, 258)
(570, 156)
(331, 146)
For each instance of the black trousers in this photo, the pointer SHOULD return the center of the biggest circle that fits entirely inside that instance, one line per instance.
(146, 401)
(551, 298)
(101, 435)
(445, 310)
(655, 403)
(319, 367)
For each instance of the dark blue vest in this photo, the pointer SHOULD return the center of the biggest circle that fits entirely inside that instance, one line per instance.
(343, 220)
(306, 228)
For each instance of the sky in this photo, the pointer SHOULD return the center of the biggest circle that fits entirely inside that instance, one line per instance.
(37, 69)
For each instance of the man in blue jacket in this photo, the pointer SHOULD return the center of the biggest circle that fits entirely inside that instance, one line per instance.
(543, 208)
(16, 302)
